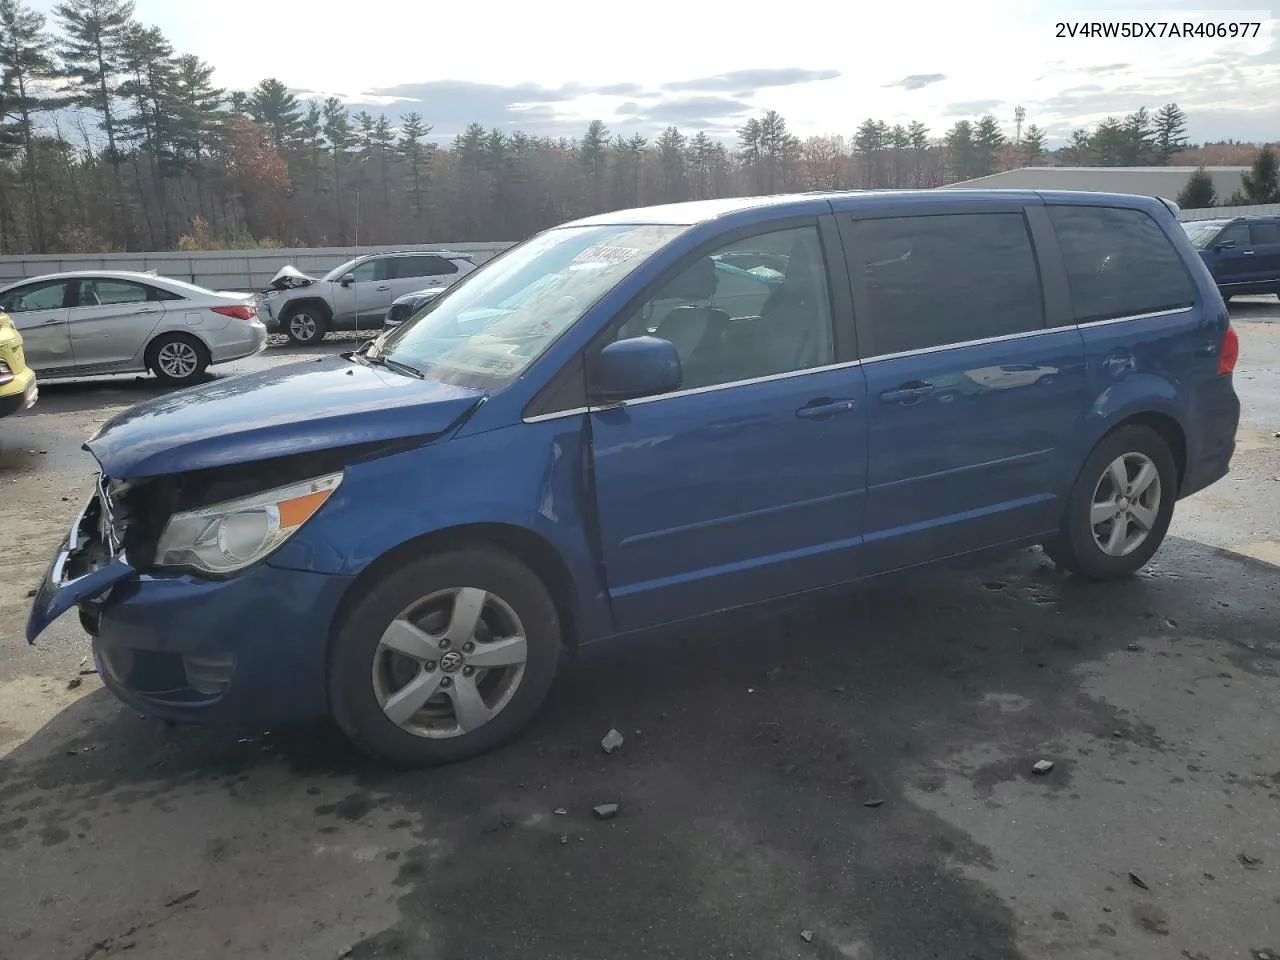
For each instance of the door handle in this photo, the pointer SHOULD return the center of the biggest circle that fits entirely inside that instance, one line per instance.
(1248, 253)
(908, 392)
(51, 323)
(381, 289)
(824, 409)
(148, 310)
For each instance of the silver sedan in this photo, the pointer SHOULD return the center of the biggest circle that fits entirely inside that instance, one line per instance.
(96, 322)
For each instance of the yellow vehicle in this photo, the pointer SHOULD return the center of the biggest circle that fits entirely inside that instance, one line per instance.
(17, 380)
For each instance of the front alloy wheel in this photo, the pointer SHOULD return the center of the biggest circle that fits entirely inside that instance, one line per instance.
(443, 656)
(304, 327)
(449, 663)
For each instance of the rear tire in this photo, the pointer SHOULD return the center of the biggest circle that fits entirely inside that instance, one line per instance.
(178, 359)
(304, 325)
(427, 666)
(1120, 506)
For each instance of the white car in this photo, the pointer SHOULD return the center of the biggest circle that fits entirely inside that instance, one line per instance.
(97, 322)
(355, 295)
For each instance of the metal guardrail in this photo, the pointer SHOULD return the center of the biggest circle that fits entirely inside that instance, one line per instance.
(247, 270)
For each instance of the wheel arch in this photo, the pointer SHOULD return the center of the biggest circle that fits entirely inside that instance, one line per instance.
(531, 549)
(292, 307)
(153, 346)
(1162, 423)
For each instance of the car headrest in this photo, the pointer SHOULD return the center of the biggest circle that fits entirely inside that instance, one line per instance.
(698, 281)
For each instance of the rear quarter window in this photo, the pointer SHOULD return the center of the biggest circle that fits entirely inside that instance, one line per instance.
(1119, 263)
(931, 281)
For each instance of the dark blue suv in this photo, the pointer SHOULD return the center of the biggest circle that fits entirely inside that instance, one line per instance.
(638, 419)
(1242, 253)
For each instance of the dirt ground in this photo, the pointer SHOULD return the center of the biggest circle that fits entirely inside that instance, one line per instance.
(845, 778)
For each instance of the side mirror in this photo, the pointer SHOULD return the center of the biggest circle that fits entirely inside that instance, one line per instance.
(638, 367)
(348, 279)
(1224, 245)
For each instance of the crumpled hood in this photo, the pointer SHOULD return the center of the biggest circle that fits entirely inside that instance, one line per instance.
(288, 277)
(295, 408)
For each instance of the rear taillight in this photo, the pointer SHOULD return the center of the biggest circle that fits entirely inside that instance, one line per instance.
(1230, 352)
(237, 312)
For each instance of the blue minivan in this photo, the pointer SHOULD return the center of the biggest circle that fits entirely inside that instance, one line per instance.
(638, 419)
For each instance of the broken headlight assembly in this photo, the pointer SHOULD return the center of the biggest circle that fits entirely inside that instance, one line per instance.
(226, 537)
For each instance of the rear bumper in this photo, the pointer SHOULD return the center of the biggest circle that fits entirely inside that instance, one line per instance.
(242, 342)
(1212, 443)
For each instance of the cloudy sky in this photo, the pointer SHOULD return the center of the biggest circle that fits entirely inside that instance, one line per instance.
(825, 65)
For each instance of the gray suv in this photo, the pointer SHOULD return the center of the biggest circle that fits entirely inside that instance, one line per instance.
(355, 295)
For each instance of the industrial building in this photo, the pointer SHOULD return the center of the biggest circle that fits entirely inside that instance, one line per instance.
(1165, 182)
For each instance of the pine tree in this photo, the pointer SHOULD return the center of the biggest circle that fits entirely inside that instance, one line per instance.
(1199, 192)
(26, 59)
(671, 158)
(749, 151)
(1136, 140)
(961, 151)
(272, 105)
(1261, 182)
(1170, 132)
(869, 143)
(1033, 145)
(93, 32)
(147, 63)
(337, 130)
(988, 140)
(416, 152)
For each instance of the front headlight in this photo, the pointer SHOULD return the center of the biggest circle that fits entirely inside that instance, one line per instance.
(230, 536)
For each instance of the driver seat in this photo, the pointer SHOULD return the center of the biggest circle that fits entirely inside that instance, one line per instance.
(695, 331)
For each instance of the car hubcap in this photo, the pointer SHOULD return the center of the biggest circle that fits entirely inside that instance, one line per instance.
(1126, 502)
(303, 326)
(449, 663)
(178, 360)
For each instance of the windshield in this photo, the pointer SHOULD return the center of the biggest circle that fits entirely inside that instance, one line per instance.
(503, 316)
(1202, 233)
(337, 273)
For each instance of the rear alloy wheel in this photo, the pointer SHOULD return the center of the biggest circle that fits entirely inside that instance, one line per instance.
(1120, 507)
(305, 326)
(445, 658)
(178, 359)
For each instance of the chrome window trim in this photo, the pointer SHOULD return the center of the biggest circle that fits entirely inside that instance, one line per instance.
(578, 411)
(1173, 312)
(693, 391)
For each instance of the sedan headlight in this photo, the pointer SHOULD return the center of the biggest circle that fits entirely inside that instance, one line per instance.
(230, 536)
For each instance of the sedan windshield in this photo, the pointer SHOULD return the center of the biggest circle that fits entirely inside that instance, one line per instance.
(337, 273)
(503, 316)
(1203, 232)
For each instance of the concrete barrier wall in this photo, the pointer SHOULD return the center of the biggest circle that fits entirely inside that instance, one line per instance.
(249, 270)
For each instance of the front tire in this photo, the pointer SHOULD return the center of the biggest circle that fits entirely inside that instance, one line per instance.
(444, 657)
(305, 325)
(178, 359)
(1120, 507)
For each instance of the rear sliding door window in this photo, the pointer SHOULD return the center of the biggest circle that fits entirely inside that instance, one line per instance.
(1119, 263)
(934, 281)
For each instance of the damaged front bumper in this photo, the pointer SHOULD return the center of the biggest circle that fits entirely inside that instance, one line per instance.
(88, 563)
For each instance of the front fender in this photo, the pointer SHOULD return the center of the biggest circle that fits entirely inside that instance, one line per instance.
(529, 476)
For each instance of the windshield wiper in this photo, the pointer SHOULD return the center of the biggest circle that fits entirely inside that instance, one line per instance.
(370, 359)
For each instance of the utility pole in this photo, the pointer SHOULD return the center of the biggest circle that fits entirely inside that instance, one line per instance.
(1019, 115)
